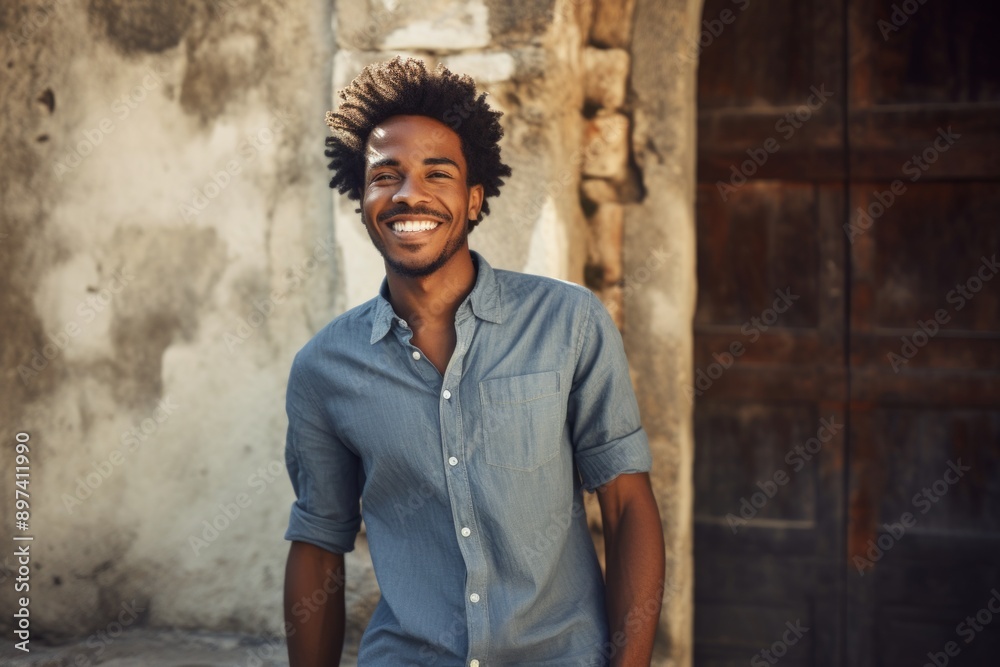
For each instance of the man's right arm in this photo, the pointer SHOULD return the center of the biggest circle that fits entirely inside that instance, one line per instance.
(315, 630)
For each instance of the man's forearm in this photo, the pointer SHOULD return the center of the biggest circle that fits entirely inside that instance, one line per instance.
(314, 606)
(635, 567)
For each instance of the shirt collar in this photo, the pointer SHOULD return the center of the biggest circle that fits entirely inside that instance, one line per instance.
(484, 300)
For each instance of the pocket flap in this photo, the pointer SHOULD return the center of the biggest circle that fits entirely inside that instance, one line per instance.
(520, 388)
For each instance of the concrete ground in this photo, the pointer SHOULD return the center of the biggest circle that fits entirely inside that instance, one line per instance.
(156, 648)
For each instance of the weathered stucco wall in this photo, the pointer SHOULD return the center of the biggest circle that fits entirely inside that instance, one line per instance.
(166, 251)
(168, 242)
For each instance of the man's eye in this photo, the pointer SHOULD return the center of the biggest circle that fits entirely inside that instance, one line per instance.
(439, 174)
(381, 177)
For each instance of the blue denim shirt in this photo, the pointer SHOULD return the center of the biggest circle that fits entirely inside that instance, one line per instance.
(469, 484)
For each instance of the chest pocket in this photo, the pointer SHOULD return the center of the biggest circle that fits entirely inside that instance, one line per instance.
(522, 420)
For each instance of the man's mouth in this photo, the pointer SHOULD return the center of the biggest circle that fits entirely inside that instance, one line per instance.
(413, 226)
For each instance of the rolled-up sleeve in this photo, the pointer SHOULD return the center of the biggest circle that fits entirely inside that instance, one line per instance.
(323, 471)
(608, 438)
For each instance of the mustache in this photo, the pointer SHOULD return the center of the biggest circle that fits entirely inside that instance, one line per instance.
(406, 209)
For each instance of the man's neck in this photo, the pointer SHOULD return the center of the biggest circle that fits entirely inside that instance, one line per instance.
(430, 302)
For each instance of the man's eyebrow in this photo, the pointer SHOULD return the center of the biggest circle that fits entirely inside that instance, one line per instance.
(384, 162)
(390, 162)
(441, 160)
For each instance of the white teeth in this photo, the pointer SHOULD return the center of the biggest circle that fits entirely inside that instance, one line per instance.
(414, 225)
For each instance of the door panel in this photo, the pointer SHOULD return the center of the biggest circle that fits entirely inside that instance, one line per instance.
(923, 114)
(876, 213)
(768, 517)
(925, 405)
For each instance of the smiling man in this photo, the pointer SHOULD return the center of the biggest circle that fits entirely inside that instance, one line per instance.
(462, 412)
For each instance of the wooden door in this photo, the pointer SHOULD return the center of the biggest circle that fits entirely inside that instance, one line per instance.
(811, 442)
(770, 368)
(923, 230)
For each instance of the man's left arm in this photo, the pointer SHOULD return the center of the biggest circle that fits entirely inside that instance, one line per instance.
(612, 454)
(635, 561)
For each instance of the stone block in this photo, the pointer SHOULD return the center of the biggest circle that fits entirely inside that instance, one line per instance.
(605, 248)
(484, 68)
(605, 147)
(598, 191)
(612, 26)
(451, 26)
(605, 77)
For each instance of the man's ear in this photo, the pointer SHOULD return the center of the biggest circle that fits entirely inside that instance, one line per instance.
(475, 201)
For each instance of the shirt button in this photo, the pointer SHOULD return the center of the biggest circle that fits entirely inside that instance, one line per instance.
(402, 323)
(452, 461)
(446, 394)
(416, 355)
(473, 663)
(474, 597)
(465, 533)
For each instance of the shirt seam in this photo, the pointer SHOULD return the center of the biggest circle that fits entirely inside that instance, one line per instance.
(584, 331)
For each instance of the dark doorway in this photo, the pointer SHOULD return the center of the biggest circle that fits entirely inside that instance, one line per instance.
(847, 336)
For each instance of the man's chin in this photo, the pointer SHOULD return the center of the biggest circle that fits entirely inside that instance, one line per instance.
(413, 267)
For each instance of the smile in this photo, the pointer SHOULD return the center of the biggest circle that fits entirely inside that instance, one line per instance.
(411, 226)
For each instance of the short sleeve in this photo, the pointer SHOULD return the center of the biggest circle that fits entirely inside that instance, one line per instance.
(325, 474)
(608, 438)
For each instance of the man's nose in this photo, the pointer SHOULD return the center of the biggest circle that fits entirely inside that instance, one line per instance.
(410, 192)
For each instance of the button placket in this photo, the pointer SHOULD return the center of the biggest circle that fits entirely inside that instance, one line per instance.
(460, 493)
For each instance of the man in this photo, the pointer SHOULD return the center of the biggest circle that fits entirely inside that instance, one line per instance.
(465, 408)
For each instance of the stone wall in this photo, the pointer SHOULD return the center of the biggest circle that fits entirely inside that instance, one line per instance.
(169, 242)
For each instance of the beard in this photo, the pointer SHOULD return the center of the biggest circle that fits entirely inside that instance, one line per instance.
(421, 270)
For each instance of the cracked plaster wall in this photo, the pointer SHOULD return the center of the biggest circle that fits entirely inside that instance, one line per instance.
(159, 179)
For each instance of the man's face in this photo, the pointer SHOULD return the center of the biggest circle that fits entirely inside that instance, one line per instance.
(416, 204)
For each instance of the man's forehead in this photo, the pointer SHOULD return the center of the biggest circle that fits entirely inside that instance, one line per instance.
(411, 137)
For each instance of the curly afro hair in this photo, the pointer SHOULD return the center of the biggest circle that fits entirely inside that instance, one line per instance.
(405, 87)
